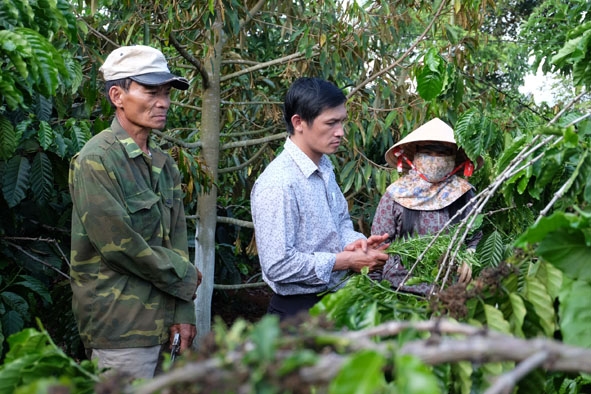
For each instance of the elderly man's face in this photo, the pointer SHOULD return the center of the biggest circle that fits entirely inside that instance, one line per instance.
(142, 107)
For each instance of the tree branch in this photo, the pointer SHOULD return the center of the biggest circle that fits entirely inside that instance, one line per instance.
(246, 163)
(251, 12)
(191, 59)
(37, 259)
(505, 383)
(479, 346)
(286, 59)
(239, 144)
(378, 74)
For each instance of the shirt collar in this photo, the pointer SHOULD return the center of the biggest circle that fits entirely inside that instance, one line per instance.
(305, 164)
(133, 150)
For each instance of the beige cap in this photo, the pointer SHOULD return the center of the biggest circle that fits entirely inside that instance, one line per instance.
(143, 64)
(434, 130)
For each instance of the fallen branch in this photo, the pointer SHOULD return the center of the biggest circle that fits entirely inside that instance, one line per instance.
(449, 342)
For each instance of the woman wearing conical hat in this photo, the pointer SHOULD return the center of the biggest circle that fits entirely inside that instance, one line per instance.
(424, 199)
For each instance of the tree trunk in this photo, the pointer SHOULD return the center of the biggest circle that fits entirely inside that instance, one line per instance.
(207, 202)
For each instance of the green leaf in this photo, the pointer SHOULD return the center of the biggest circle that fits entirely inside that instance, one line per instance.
(8, 139)
(8, 91)
(75, 73)
(45, 64)
(33, 356)
(298, 359)
(79, 132)
(15, 180)
(551, 277)
(518, 314)
(545, 226)
(491, 251)
(41, 177)
(568, 251)
(15, 47)
(264, 336)
(495, 319)
(574, 313)
(12, 322)
(537, 294)
(44, 109)
(389, 119)
(45, 135)
(429, 83)
(414, 377)
(361, 373)
(35, 285)
(573, 51)
(15, 302)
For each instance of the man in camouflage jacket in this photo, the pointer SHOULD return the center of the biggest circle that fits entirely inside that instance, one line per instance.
(132, 281)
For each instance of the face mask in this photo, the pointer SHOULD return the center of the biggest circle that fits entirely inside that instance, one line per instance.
(435, 168)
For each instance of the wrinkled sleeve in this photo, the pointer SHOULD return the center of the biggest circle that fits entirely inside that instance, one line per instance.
(346, 230)
(387, 218)
(98, 201)
(184, 313)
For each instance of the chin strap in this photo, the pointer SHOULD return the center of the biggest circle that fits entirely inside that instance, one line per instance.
(467, 166)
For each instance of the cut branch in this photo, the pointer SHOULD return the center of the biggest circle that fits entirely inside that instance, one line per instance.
(479, 345)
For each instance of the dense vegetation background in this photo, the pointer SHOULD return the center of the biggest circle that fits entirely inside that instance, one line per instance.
(400, 63)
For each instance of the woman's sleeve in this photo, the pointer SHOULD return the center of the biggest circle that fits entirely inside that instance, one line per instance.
(387, 217)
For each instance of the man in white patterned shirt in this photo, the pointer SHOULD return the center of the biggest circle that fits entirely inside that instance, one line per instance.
(304, 234)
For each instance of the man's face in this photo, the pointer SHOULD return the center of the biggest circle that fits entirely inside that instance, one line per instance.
(323, 135)
(142, 107)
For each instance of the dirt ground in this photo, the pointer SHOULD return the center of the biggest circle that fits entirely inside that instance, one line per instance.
(248, 304)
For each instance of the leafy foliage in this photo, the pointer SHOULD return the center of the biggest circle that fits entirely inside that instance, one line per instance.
(38, 77)
(427, 252)
(35, 364)
(397, 73)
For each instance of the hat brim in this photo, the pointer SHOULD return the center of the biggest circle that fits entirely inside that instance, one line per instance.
(434, 131)
(409, 149)
(161, 78)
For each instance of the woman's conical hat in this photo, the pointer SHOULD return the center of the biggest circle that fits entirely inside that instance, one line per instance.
(434, 130)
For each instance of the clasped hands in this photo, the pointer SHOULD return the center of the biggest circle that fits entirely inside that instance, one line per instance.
(367, 253)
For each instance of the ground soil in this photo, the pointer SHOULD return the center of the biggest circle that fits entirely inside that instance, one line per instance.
(249, 304)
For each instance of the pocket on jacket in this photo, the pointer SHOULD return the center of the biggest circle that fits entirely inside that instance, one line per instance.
(142, 200)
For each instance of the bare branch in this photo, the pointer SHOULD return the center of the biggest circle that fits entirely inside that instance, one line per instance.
(35, 258)
(240, 286)
(249, 15)
(505, 383)
(227, 220)
(443, 346)
(286, 59)
(256, 141)
(191, 59)
(246, 163)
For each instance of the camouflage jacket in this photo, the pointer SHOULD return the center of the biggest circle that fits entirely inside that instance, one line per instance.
(131, 276)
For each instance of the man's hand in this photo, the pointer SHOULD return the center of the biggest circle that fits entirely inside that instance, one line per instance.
(373, 242)
(187, 331)
(357, 259)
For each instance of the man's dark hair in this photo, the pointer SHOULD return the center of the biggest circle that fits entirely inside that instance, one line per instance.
(308, 97)
(123, 83)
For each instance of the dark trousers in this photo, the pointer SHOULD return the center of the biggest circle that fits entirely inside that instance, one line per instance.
(290, 305)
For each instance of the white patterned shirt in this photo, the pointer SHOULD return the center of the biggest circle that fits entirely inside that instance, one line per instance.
(301, 222)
